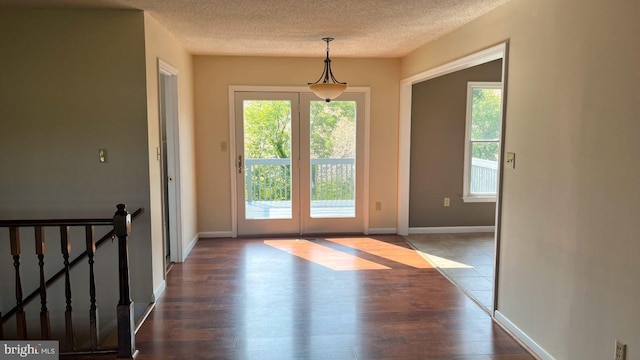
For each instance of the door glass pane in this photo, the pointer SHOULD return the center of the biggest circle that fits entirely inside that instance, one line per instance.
(333, 159)
(267, 163)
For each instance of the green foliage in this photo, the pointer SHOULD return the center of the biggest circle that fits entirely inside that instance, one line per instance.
(485, 124)
(338, 189)
(267, 129)
(332, 129)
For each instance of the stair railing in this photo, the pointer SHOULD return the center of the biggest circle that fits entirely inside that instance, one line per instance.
(121, 223)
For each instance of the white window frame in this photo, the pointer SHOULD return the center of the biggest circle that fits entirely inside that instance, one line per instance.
(467, 196)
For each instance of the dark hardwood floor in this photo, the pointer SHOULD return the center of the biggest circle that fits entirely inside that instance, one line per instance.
(347, 298)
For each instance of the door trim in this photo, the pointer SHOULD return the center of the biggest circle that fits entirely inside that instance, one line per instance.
(298, 89)
(406, 89)
(175, 217)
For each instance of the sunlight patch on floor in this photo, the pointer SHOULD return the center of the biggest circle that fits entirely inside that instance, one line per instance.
(325, 256)
(385, 250)
(446, 263)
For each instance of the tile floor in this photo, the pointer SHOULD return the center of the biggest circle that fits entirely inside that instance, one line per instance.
(466, 259)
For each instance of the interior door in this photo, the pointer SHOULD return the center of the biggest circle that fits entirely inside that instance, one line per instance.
(267, 157)
(168, 108)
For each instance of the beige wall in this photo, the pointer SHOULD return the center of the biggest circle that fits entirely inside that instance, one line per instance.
(438, 123)
(569, 253)
(73, 82)
(160, 44)
(212, 77)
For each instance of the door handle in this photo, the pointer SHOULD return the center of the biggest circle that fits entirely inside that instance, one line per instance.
(239, 164)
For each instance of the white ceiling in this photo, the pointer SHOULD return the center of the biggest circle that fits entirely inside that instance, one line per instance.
(362, 28)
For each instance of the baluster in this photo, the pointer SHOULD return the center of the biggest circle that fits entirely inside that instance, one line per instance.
(126, 330)
(354, 177)
(45, 326)
(340, 183)
(65, 246)
(324, 180)
(249, 175)
(326, 172)
(260, 181)
(93, 312)
(21, 329)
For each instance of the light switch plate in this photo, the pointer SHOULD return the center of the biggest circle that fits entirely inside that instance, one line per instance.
(102, 156)
(510, 160)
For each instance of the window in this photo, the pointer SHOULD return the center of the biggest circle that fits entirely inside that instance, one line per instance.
(482, 144)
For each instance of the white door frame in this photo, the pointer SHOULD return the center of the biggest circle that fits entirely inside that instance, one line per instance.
(173, 158)
(298, 89)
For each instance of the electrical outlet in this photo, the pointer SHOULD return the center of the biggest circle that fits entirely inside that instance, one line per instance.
(621, 351)
(447, 201)
(378, 205)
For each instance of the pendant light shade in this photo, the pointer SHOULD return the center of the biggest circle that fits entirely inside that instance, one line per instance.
(327, 87)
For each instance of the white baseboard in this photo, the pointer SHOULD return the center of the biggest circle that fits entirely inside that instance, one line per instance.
(159, 290)
(525, 340)
(382, 231)
(186, 250)
(215, 234)
(451, 229)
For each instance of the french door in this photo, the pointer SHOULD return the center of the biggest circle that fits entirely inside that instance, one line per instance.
(299, 165)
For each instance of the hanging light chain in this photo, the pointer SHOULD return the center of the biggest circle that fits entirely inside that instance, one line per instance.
(327, 74)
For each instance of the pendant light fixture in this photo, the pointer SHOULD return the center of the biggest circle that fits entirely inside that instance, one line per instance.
(327, 87)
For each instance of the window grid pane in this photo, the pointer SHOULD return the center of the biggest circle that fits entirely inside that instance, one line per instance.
(484, 135)
(485, 114)
(484, 168)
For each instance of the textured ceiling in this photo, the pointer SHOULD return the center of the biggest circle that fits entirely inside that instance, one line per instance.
(362, 28)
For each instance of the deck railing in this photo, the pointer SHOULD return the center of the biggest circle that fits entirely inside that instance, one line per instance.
(334, 179)
(270, 179)
(484, 176)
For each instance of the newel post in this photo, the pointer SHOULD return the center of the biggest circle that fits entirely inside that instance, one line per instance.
(126, 330)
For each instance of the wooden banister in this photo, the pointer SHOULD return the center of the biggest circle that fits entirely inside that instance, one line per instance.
(121, 223)
(56, 222)
(72, 264)
(126, 325)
